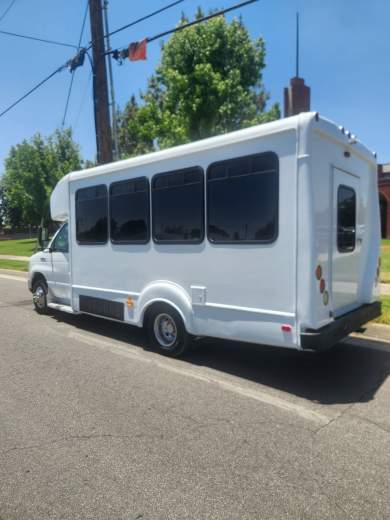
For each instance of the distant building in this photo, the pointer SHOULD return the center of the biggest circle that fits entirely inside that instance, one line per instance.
(384, 197)
(296, 97)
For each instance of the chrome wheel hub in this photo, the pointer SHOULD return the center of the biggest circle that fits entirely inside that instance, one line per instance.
(165, 330)
(39, 297)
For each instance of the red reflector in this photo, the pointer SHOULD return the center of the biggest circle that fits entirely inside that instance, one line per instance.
(286, 328)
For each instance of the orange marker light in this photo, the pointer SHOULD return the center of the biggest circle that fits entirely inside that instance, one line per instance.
(318, 272)
(130, 302)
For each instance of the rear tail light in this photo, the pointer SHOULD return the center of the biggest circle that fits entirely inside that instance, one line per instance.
(286, 328)
(322, 285)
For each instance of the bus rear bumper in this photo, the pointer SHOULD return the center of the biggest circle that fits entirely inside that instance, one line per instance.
(329, 335)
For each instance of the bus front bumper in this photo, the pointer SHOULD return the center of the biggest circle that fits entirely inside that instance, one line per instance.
(329, 335)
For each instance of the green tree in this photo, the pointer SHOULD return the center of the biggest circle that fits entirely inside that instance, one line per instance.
(135, 134)
(32, 169)
(209, 82)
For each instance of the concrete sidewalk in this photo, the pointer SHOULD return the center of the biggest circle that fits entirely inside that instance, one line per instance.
(21, 274)
(13, 257)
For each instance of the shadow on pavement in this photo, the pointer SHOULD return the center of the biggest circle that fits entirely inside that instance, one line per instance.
(345, 374)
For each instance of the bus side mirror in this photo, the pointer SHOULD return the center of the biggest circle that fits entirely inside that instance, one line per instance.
(43, 244)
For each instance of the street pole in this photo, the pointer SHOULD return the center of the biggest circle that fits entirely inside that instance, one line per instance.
(100, 87)
(111, 80)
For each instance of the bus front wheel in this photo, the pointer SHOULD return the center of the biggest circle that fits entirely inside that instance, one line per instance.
(166, 331)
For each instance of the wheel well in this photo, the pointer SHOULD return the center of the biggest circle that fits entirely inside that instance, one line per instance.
(36, 277)
(151, 306)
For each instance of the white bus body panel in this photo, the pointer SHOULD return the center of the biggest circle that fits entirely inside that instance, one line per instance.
(244, 292)
(241, 300)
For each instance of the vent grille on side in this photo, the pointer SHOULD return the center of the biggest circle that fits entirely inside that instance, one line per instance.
(102, 307)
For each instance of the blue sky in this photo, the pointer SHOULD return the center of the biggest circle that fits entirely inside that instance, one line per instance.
(345, 49)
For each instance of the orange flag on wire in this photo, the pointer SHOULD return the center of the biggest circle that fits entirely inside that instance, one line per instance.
(137, 50)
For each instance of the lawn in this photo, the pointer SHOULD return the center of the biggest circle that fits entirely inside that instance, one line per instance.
(25, 247)
(385, 317)
(385, 261)
(16, 265)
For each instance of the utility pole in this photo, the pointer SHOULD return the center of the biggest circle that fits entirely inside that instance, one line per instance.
(100, 88)
(112, 92)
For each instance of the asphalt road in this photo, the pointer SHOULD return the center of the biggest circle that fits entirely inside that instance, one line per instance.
(94, 426)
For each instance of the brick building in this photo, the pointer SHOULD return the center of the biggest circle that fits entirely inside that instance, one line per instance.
(384, 197)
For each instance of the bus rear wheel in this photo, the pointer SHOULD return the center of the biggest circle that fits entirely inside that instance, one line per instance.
(166, 331)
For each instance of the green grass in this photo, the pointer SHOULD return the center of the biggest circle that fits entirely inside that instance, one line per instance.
(385, 317)
(16, 265)
(385, 261)
(25, 247)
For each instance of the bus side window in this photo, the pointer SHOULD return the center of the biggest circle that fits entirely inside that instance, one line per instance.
(129, 211)
(92, 215)
(178, 206)
(243, 199)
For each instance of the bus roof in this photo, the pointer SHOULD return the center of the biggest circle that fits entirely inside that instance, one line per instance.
(281, 125)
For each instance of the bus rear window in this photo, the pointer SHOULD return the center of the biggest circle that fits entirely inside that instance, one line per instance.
(346, 219)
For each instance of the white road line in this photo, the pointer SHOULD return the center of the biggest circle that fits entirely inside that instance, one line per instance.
(10, 277)
(211, 377)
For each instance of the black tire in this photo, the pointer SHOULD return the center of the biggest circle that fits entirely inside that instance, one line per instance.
(40, 296)
(166, 331)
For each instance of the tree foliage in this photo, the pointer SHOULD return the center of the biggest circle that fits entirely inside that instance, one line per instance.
(209, 82)
(32, 169)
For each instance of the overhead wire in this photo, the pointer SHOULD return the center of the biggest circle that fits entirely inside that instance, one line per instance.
(35, 38)
(33, 89)
(143, 18)
(119, 54)
(64, 66)
(2, 16)
(73, 71)
(81, 105)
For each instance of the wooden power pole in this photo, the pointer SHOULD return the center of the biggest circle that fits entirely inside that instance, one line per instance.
(100, 87)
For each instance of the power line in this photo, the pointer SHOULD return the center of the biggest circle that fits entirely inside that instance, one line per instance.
(34, 38)
(73, 71)
(6, 10)
(59, 69)
(144, 18)
(123, 53)
(81, 106)
(204, 19)
(83, 24)
(68, 98)
(68, 63)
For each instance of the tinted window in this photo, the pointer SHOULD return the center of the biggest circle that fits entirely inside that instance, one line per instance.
(178, 207)
(61, 242)
(91, 215)
(242, 199)
(129, 211)
(346, 219)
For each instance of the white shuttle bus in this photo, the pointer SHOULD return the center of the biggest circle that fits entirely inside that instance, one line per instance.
(268, 235)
